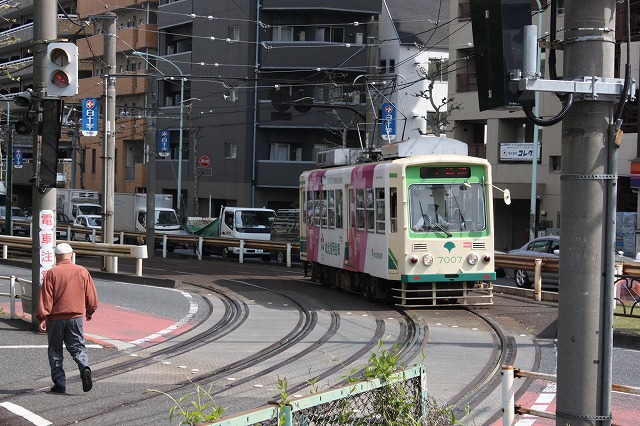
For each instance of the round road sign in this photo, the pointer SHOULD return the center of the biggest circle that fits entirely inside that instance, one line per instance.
(204, 160)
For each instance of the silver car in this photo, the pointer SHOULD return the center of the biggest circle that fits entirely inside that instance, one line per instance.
(539, 248)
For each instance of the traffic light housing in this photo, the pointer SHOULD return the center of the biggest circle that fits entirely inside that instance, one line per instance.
(62, 69)
(50, 130)
(498, 42)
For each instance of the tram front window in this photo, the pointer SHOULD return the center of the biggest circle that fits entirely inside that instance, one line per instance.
(446, 208)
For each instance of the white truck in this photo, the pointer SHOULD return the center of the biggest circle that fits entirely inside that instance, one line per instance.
(130, 211)
(74, 202)
(241, 223)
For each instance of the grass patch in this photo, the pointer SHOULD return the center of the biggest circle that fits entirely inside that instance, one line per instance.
(629, 325)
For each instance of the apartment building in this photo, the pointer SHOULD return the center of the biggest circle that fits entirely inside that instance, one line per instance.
(497, 133)
(136, 30)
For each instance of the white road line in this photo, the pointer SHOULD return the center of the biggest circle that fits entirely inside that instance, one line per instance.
(26, 414)
(41, 346)
(193, 309)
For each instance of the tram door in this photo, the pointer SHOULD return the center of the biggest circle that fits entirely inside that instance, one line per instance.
(349, 252)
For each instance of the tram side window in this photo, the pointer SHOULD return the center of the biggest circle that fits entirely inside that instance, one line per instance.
(371, 221)
(309, 210)
(360, 209)
(317, 208)
(380, 210)
(352, 211)
(332, 209)
(339, 209)
(324, 209)
(393, 208)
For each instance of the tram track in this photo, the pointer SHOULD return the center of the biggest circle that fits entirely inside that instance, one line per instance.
(410, 336)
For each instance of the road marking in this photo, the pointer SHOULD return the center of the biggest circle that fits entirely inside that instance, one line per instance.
(41, 346)
(193, 309)
(26, 414)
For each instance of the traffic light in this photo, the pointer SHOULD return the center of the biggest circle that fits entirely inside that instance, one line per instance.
(62, 69)
(50, 129)
(498, 35)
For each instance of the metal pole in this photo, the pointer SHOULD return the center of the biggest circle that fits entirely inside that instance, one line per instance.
(110, 136)
(8, 222)
(150, 229)
(179, 190)
(534, 162)
(45, 29)
(588, 51)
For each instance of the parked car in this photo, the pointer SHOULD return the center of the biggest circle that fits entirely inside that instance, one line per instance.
(21, 223)
(62, 224)
(544, 247)
(541, 247)
(90, 222)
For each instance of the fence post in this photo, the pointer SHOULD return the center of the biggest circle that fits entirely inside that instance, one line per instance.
(164, 246)
(241, 255)
(200, 248)
(537, 280)
(288, 255)
(12, 296)
(4, 251)
(122, 237)
(288, 418)
(508, 401)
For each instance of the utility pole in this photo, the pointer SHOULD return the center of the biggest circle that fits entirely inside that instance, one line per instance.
(584, 330)
(45, 29)
(109, 133)
(151, 179)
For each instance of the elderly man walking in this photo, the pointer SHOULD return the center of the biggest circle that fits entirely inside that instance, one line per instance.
(68, 292)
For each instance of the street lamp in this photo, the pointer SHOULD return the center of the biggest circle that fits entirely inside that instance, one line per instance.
(137, 53)
(8, 225)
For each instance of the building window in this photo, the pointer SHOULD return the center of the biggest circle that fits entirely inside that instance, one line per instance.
(230, 150)
(554, 163)
(282, 33)
(285, 152)
(383, 65)
(330, 34)
(560, 7)
(233, 33)
(392, 66)
(93, 160)
(178, 39)
(438, 70)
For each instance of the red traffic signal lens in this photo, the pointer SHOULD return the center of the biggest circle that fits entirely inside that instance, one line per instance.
(60, 78)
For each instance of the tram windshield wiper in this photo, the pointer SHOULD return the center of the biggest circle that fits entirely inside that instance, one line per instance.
(442, 228)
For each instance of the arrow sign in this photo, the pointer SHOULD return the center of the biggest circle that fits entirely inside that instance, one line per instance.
(388, 122)
(89, 117)
(164, 140)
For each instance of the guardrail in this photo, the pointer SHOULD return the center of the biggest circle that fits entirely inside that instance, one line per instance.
(90, 249)
(13, 295)
(510, 408)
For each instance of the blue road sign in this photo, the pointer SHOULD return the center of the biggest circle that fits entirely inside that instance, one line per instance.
(89, 117)
(388, 122)
(164, 140)
(17, 158)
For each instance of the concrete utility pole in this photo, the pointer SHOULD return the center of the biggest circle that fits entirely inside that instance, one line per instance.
(45, 30)
(109, 133)
(151, 178)
(584, 331)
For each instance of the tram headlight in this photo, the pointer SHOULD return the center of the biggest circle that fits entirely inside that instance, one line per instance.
(472, 258)
(427, 259)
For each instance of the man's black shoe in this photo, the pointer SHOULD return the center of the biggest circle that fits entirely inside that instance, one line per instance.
(87, 384)
(57, 389)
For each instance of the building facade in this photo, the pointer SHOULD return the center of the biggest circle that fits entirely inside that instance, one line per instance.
(498, 132)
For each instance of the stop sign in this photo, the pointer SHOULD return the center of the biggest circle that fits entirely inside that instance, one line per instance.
(204, 160)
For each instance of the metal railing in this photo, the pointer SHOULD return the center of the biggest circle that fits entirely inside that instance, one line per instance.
(509, 406)
(90, 249)
(25, 294)
(403, 397)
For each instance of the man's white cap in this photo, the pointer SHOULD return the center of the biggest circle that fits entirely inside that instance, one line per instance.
(63, 248)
